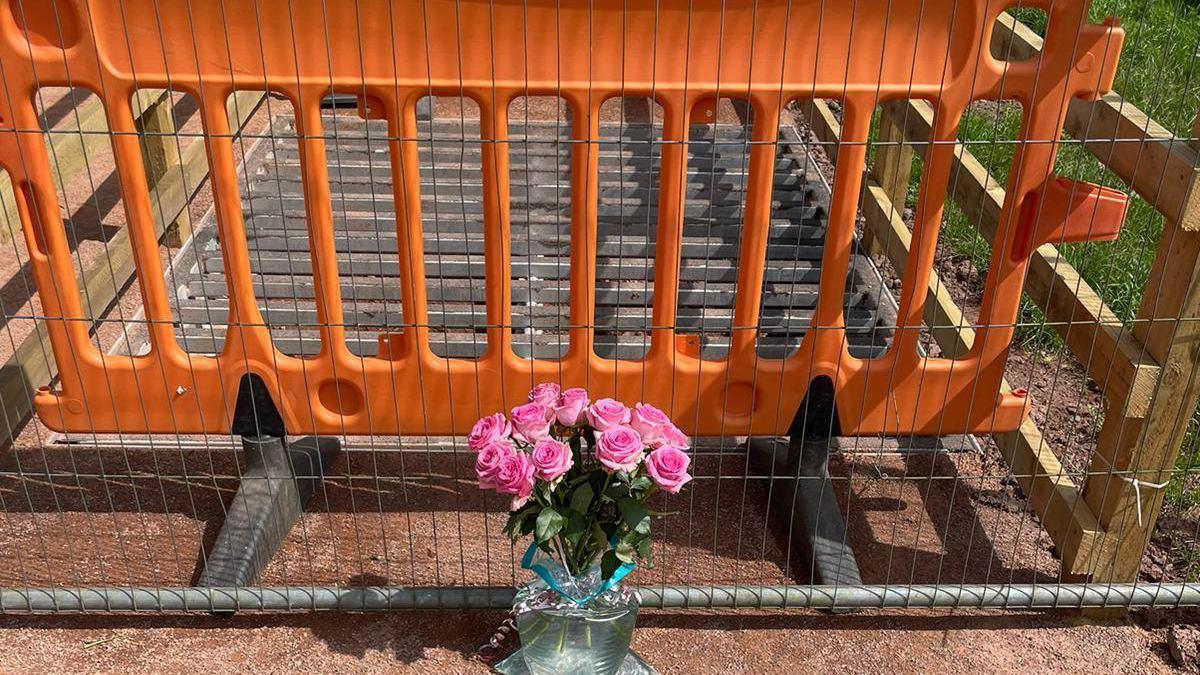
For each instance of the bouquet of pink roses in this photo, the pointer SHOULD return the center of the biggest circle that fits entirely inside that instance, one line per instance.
(581, 503)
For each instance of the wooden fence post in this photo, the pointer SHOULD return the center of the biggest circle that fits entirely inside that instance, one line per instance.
(1145, 449)
(893, 163)
(894, 156)
(160, 154)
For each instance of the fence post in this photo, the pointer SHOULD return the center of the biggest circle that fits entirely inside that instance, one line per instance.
(893, 163)
(1168, 324)
(160, 154)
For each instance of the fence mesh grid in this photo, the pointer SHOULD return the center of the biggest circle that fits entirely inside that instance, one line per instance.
(1091, 501)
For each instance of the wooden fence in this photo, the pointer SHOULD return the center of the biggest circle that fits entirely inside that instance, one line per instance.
(1148, 373)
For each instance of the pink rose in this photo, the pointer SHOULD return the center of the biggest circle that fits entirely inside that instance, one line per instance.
(668, 467)
(514, 476)
(545, 393)
(487, 462)
(531, 422)
(488, 430)
(571, 405)
(606, 414)
(620, 449)
(551, 459)
(671, 435)
(649, 422)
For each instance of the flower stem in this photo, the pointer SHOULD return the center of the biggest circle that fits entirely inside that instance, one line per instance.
(562, 554)
(582, 554)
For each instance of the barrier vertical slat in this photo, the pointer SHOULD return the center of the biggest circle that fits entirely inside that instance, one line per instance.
(671, 186)
(127, 153)
(406, 191)
(926, 225)
(48, 248)
(755, 232)
(247, 334)
(493, 118)
(829, 322)
(319, 211)
(585, 173)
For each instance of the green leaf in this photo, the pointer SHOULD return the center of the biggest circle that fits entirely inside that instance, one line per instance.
(599, 537)
(625, 551)
(581, 498)
(527, 525)
(640, 483)
(575, 525)
(610, 530)
(617, 491)
(609, 563)
(549, 522)
(518, 519)
(635, 515)
(643, 547)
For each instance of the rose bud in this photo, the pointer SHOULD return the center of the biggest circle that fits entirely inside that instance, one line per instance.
(571, 406)
(620, 449)
(668, 466)
(488, 429)
(606, 414)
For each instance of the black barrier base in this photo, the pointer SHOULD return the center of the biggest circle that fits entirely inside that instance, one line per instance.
(803, 501)
(802, 494)
(278, 482)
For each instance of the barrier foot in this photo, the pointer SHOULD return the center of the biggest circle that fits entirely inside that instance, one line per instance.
(278, 482)
(803, 498)
(802, 494)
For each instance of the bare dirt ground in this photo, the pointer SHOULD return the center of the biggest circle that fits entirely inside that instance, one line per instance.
(913, 520)
(81, 517)
(748, 642)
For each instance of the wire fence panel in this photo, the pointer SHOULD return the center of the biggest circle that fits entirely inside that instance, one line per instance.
(915, 276)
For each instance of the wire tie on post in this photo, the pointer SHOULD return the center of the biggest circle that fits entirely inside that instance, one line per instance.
(1137, 493)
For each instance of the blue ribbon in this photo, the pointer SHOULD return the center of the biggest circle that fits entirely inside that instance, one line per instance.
(542, 571)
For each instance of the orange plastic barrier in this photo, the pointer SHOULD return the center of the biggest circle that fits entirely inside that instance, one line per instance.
(682, 52)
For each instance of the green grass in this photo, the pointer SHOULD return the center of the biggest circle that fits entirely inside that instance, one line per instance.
(1159, 72)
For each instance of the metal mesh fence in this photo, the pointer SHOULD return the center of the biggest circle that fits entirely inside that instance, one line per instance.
(396, 197)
